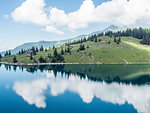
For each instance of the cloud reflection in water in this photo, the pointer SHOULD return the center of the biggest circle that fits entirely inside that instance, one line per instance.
(32, 91)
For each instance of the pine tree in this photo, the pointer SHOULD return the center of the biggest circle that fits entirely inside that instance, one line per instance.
(53, 46)
(42, 60)
(0, 56)
(82, 47)
(41, 48)
(115, 39)
(55, 52)
(31, 58)
(84, 40)
(68, 49)
(46, 50)
(81, 40)
(37, 50)
(9, 53)
(22, 51)
(99, 40)
(6, 54)
(95, 39)
(15, 59)
(33, 49)
(62, 51)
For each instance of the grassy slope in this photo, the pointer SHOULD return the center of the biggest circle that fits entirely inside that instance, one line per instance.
(129, 50)
(112, 53)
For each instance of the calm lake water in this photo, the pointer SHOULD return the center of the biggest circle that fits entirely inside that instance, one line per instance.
(75, 89)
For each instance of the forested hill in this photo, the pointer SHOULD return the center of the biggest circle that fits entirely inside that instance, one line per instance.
(129, 46)
(47, 44)
(139, 33)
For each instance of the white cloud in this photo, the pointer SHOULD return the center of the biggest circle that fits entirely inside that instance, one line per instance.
(121, 12)
(58, 17)
(31, 11)
(76, 19)
(52, 30)
(81, 18)
(32, 91)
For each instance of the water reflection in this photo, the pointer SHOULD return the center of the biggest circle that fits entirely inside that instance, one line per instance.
(135, 74)
(116, 84)
(33, 91)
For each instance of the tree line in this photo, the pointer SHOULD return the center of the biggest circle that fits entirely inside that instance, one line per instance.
(57, 57)
(139, 33)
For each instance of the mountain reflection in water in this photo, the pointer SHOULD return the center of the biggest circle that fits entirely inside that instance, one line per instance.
(109, 83)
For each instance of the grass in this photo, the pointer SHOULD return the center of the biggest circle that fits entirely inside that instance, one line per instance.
(129, 50)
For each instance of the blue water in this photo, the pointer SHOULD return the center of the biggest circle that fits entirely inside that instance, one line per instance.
(53, 91)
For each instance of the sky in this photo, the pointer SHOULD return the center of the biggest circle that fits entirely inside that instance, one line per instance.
(24, 21)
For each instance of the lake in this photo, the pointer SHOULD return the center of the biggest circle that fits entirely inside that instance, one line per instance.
(75, 89)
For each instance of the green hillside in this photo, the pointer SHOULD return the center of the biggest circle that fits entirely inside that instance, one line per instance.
(47, 44)
(128, 51)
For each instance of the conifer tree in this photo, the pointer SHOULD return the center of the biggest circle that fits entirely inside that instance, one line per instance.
(0, 56)
(31, 58)
(22, 51)
(15, 59)
(62, 51)
(95, 39)
(6, 54)
(53, 46)
(9, 53)
(41, 48)
(37, 50)
(42, 60)
(115, 39)
(55, 52)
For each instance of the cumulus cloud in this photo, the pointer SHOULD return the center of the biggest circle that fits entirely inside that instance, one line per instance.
(33, 91)
(52, 29)
(31, 11)
(122, 12)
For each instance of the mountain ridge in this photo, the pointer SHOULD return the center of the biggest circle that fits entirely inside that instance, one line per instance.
(47, 44)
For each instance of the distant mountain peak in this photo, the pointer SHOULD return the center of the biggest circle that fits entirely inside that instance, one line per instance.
(112, 27)
(47, 44)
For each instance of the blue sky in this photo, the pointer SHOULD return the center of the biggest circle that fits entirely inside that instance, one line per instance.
(63, 19)
(15, 33)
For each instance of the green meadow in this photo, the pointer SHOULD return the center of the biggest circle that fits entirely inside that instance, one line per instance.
(128, 51)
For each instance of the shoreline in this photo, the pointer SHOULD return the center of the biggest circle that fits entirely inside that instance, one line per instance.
(34, 64)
